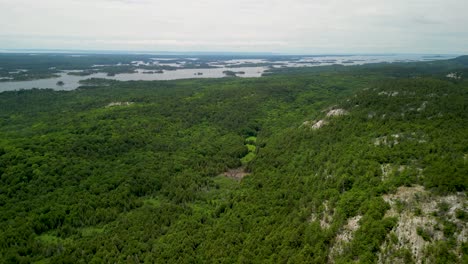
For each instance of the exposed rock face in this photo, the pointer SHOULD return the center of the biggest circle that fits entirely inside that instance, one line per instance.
(314, 124)
(419, 225)
(389, 93)
(318, 124)
(119, 104)
(337, 112)
(345, 236)
(454, 75)
(387, 140)
(422, 107)
(326, 217)
(395, 139)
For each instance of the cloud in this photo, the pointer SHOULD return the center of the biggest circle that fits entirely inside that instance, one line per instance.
(426, 21)
(281, 26)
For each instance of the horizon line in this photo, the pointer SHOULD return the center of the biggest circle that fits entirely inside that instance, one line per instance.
(188, 52)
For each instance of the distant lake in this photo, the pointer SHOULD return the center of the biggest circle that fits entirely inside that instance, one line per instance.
(71, 82)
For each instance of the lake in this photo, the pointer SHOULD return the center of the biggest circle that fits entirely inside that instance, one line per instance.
(71, 82)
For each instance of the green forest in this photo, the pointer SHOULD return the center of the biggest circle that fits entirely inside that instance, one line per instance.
(303, 165)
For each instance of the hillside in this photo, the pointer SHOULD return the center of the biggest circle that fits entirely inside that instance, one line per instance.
(335, 165)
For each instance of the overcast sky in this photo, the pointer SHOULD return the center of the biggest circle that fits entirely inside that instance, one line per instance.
(285, 26)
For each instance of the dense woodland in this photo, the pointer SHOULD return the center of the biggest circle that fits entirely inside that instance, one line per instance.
(132, 172)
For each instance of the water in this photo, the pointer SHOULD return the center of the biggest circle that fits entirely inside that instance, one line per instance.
(313, 61)
(72, 82)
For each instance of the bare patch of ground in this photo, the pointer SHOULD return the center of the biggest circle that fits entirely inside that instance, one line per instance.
(237, 173)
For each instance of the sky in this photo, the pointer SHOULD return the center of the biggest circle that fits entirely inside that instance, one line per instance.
(286, 26)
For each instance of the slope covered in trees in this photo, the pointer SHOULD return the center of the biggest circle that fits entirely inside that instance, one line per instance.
(133, 171)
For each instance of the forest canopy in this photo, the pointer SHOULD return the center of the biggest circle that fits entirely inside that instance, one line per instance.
(138, 171)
